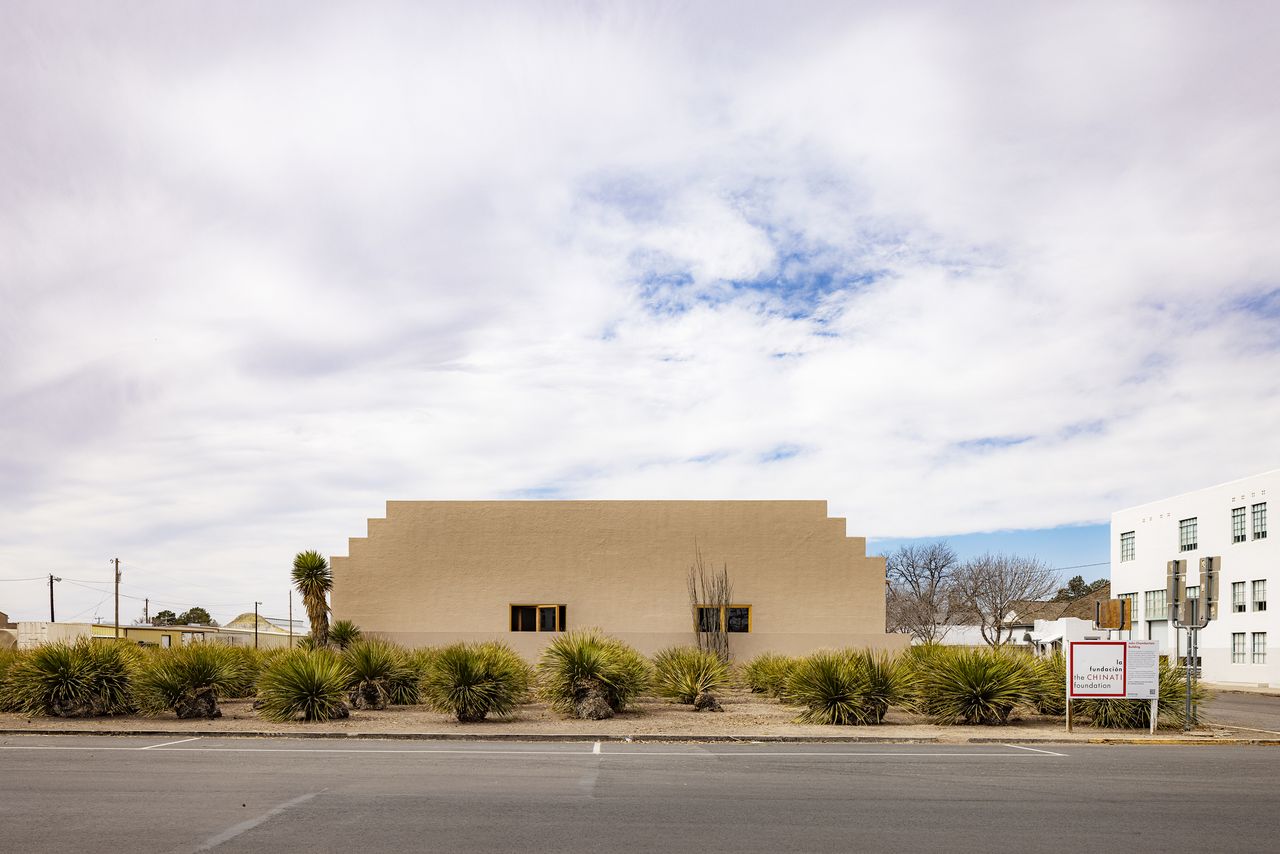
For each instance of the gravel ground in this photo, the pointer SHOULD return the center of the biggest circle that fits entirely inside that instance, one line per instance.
(746, 715)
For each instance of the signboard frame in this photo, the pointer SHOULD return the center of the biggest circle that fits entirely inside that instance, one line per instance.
(1150, 649)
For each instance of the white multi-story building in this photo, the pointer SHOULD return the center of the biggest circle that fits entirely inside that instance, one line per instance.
(1228, 521)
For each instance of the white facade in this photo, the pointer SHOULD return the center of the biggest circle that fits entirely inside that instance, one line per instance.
(1228, 521)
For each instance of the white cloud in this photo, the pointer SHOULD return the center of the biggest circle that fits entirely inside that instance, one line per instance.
(953, 268)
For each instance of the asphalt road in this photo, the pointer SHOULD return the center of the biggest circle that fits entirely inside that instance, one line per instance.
(1250, 711)
(75, 793)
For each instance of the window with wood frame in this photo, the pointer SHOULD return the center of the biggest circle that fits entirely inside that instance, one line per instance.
(724, 618)
(538, 618)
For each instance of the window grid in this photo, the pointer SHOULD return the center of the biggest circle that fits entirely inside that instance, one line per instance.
(1237, 525)
(1237, 648)
(1260, 521)
(1259, 647)
(1126, 546)
(1155, 605)
(1237, 597)
(1260, 595)
(1193, 592)
(1187, 537)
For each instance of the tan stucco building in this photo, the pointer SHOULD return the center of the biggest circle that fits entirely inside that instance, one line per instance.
(433, 572)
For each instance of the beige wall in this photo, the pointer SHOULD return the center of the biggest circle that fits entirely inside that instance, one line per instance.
(437, 571)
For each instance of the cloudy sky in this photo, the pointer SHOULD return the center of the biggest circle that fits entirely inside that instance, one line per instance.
(956, 268)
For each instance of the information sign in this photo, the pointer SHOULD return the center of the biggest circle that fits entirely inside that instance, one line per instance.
(1113, 669)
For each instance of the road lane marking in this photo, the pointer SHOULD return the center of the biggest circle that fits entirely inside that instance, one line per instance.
(245, 826)
(596, 749)
(169, 743)
(1245, 728)
(1034, 750)
(688, 754)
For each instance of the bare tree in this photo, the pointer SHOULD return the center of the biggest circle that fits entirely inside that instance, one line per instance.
(709, 590)
(992, 585)
(921, 596)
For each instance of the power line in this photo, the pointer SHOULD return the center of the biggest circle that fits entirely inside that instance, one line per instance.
(1082, 566)
(37, 578)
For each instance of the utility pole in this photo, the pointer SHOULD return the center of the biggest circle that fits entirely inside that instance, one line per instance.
(290, 618)
(117, 563)
(255, 624)
(146, 611)
(52, 578)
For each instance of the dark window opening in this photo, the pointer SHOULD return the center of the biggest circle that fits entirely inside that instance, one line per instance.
(538, 618)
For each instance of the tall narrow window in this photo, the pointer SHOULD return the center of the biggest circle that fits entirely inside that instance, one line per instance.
(1126, 546)
(1260, 521)
(1193, 592)
(1259, 647)
(1155, 605)
(1237, 525)
(1237, 597)
(1237, 648)
(1187, 535)
(1260, 595)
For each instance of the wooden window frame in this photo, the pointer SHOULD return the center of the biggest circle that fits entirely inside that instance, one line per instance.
(724, 617)
(560, 609)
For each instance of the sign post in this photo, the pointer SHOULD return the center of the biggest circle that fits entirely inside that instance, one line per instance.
(1188, 613)
(1116, 670)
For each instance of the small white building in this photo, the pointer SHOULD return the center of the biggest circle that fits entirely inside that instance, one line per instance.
(1228, 521)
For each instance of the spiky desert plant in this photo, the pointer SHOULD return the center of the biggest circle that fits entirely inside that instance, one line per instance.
(916, 663)
(887, 682)
(380, 674)
(1049, 685)
(8, 657)
(682, 673)
(187, 680)
(473, 681)
(307, 685)
(832, 689)
(589, 675)
(421, 659)
(80, 679)
(245, 664)
(1136, 714)
(976, 686)
(768, 672)
(343, 633)
(314, 580)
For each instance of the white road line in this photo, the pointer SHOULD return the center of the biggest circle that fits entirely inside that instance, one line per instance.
(565, 754)
(237, 829)
(168, 743)
(1034, 749)
(1245, 728)
(596, 749)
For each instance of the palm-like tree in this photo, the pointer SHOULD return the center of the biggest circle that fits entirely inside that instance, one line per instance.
(314, 579)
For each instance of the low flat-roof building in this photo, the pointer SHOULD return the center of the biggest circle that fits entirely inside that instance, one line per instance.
(433, 572)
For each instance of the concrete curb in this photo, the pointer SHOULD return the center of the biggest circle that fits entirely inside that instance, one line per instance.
(688, 738)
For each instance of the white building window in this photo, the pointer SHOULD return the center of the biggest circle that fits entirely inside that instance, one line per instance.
(1187, 537)
(1193, 592)
(1237, 525)
(1237, 597)
(1126, 546)
(1155, 605)
(1237, 648)
(1260, 521)
(1260, 595)
(1259, 647)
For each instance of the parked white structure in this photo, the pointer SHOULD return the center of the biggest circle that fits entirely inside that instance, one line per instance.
(1227, 521)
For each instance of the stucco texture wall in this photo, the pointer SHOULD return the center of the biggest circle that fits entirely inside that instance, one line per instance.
(431, 572)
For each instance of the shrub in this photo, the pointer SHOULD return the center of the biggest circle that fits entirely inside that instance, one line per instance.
(1049, 685)
(591, 676)
(473, 681)
(82, 679)
(8, 657)
(915, 663)
(380, 674)
(975, 686)
(343, 633)
(245, 664)
(683, 673)
(421, 659)
(768, 672)
(844, 687)
(308, 685)
(886, 681)
(187, 680)
(1136, 714)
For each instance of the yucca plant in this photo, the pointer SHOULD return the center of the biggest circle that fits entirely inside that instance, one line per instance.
(1049, 684)
(916, 663)
(832, 689)
(245, 664)
(304, 685)
(767, 673)
(589, 675)
(421, 659)
(976, 686)
(343, 633)
(690, 675)
(314, 579)
(1136, 714)
(380, 674)
(886, 681)
(187, 680)
(473, 681)
(82, 679)
(8, 657)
